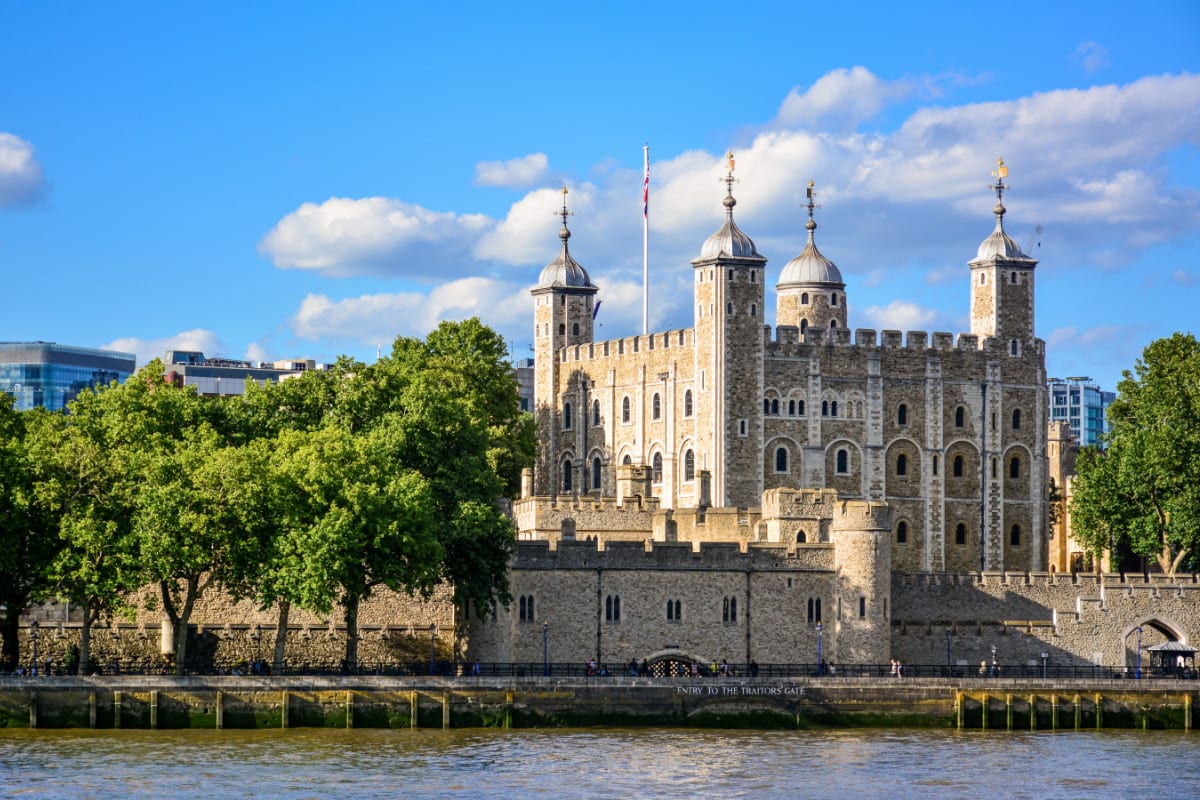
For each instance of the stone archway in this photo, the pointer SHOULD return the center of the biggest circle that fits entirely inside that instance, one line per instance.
(1136, 641)
(674, 663)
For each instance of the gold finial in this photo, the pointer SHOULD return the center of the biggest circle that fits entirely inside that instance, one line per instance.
(729, 156)
(1001, 169)
(809, 192)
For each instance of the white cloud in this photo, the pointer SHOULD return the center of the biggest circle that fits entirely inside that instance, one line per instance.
(515, 173)
(1184, 278)
(373, 235)
(840, 100)
(147, 350)
(1092, 56)
(21, 178)
(379, 318)
(899, 315)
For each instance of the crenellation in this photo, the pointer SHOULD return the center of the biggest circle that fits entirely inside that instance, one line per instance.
(865, 337)
(943, 340)
(891, 338)
(917, 340)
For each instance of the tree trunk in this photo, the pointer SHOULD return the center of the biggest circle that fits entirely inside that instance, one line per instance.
(179, 616)
(281, 629)
(350, 605)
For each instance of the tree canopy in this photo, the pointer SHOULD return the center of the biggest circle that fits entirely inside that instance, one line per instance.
(1141, 490)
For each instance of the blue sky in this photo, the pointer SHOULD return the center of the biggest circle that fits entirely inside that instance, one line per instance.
(276, 180)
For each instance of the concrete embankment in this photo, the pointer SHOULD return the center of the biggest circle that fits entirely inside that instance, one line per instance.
(389, 702)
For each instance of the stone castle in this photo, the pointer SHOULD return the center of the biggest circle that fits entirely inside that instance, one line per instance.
(722, 492)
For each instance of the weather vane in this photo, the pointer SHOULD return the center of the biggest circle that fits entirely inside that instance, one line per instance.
(1000, 174)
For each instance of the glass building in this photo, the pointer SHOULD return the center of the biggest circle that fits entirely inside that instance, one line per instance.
(49, 375)
(1083, 405)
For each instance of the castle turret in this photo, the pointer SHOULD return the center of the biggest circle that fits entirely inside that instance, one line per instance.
(729, 360)
(862, 544)
(1002, 283)
(811, 293)
(563, 303)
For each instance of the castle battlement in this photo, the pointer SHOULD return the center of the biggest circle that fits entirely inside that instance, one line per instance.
(703, 556)
(629, 345)
(1111, 581)
(788, 338)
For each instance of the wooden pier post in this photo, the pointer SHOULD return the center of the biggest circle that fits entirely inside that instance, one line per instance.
(284, 702)
(349, 709)
(413, 708)
(33, 710)
(1099, 711)
(220, 709)
(116, 709)
(154, 709)
(446, 710)
(92, 710)
(1053, 712)
(984, 703)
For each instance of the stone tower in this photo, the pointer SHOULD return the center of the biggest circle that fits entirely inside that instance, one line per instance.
(1002, 283)
(811, 293)
(729, 360)
(563, 299)
(862, 543)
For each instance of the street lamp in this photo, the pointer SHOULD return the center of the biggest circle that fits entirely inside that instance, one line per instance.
(33, 634)
(947, 650)
(1137, 630)
(432, 645)
(819, 669)
(546, 649)
(995, 666)
(1044, 657)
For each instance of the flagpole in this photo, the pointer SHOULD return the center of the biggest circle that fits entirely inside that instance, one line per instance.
(646, 243)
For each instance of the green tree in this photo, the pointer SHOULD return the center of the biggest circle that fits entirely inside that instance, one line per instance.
(1143, 490)
(28, 540)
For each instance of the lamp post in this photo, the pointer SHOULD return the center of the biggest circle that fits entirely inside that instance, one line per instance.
(1137, 630)
(947, 650)
(33, 634)
(819, 668)
(546, 649)
(995, 666)
(432, 645)
(1045, 656)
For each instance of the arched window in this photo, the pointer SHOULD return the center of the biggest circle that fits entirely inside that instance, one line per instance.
(1016, 419)
(935, 462)
(995, 468)
(754, 309)
(902, 415)
(657, 467)
(833, 299)
(1014, 468)
(958, 466)
(596, 474)
(687, 403)
(1014, 347)
(1014, 536)
(843, 462)
(575, 329)
(901, 532)
(566, 476)
(832, 324)
(656, 407)
(729, 610)
(1013, 278)
(960, 534)
(960, 417)
(730, 274)
(775, 407)
(766, 406)
(567, 416)
(800, 408)
(595, 412)
(729, 309)
(625, 410)
(562, 329)
(689, 465)
(803, 326)
(983, 279)
(804, 298)
(627, 460)
(612, 608)
(833, 409)
(801, 538)
(781, 459)
(824, 408)
(901, 465)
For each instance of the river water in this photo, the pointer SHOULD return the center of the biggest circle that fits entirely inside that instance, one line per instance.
(311, 764)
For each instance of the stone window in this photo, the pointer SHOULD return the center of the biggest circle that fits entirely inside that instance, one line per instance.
(566, 416)
(1014, 347)
(526, 608)
(766, 406)
(595, 412)
(687, 403)
(800, 408)
(833, 299)
(833, 409)
(824, 408)
(729, 610)
(902, 415)
(1016, 419)
(801, 537)
(775, 406)
(995, 468)
(566, 476)
(656, 407)
(562, 329)
(625, 410)
(730, 274)
(901, 532)
(960, 534)
(627, 460)
(657, 462)
(742, 430)
(960, 417)
(803, 327)
(804, 298)
(1013, 278)
(791, 408)
(901, 465)
(843, 462)
(958, 467)
(689, 465)
(832, 324)
(754, 309)
(862, 606)
(814, 610)
(729, 309)
(674, 610)
(612, 608)
(983, 279)
(781, 459)
(596, 475)
(575, 329)
(1014, 468)
(1014, 536)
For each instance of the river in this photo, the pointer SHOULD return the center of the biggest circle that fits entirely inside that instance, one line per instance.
(315, 764)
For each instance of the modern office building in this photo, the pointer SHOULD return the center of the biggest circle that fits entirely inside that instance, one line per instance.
(214, 377)
(49, 375)
(1081, 404)
(523, 369)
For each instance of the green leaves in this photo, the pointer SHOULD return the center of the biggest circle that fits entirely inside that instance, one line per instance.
(1143, 491)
